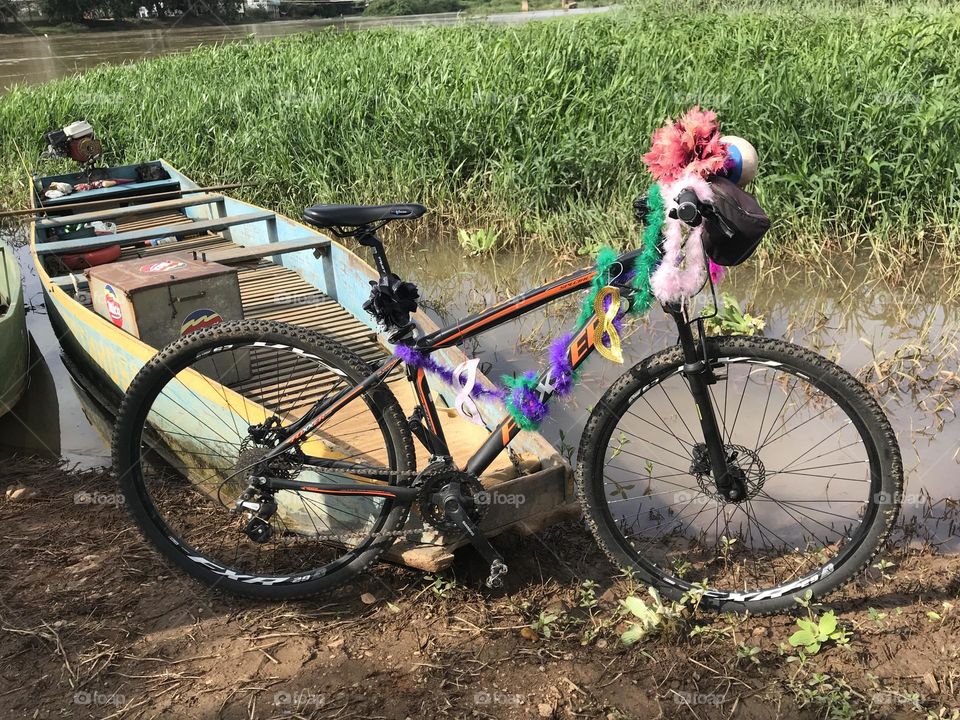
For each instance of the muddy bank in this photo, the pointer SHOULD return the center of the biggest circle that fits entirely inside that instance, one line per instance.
(93, 625)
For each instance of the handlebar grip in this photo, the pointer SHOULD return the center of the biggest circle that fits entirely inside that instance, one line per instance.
(689, 207)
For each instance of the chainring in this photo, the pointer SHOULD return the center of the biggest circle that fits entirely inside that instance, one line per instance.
(438, 481)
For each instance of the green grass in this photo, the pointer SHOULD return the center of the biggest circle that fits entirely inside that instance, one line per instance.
(536, 130)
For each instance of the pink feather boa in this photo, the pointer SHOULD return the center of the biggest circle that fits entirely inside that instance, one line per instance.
(682, 272)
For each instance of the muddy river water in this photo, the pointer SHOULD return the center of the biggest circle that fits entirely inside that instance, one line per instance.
(901, 341)
(36, 57)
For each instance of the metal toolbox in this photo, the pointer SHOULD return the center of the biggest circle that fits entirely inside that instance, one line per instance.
(158, 300)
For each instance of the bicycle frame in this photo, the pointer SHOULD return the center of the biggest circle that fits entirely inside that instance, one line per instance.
(697, 370)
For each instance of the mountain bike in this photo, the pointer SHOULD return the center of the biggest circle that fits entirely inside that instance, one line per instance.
(748, 468)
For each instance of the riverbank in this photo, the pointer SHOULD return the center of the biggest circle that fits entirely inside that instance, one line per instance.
(383, 9)
(95, 626)
(536, 130)
(33, 28)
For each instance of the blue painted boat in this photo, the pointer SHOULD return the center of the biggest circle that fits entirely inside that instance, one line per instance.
(162, 215)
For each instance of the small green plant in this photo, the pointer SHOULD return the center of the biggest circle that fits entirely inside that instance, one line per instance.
(566, 449)
(588, 594)
(649, 618)
(542, 626)
(877, 617)
(680, 566)
(730, 319)
(882, 566)
(832, 696)
(441, 586)
(479, 241)
(749, 652)
(815, 632)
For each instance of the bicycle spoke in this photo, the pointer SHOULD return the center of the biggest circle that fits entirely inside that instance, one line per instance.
(780, 530)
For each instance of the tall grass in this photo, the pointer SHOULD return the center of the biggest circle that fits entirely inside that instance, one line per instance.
(538, 129)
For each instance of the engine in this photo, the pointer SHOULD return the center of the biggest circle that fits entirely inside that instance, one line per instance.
(76, 141)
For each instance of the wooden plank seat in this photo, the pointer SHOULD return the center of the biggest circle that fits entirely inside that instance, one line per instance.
(138, 236)
(125, 211)
(246, 253)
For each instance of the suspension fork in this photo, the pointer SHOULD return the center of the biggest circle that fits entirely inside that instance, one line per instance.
(699, 375)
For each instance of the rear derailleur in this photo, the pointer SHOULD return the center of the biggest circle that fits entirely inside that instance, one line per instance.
(454, 502)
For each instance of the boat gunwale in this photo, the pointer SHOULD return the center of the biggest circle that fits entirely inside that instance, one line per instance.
(142, 352)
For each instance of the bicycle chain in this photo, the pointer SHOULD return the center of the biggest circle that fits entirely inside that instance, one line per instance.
(396, 534)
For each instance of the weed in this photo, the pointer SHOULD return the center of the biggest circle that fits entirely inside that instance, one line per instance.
(815, 632)
(655, 617)
(543, 625)
(882, 566)
(441, 586)
(478, 242)
(731, 319)
(878, 617)
(748, 652)
(831, 696)
(588, 594)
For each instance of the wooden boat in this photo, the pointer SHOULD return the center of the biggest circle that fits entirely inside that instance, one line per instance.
(276, 256)
(14, 341)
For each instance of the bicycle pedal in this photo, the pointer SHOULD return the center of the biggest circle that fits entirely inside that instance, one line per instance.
(498, 569)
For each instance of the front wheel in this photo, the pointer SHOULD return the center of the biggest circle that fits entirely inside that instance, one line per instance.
(821, 464)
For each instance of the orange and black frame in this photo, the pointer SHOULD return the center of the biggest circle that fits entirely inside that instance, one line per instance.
(425, 422)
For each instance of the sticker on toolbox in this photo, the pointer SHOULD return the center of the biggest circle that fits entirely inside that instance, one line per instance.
(200, 319)
(163, 266)
(114, 309)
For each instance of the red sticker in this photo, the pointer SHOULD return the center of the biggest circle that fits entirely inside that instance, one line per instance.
(163, 266)
(114, 309)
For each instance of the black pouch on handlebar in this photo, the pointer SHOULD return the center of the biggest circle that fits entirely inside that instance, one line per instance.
(735, 224)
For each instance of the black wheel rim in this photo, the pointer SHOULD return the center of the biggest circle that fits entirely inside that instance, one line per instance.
(199, 522)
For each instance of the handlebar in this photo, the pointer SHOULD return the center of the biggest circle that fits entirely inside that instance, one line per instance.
(689, 208)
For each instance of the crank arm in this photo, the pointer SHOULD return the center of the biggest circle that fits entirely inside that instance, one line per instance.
(455, 512)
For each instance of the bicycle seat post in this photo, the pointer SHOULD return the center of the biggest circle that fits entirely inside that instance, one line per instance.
(367, 235)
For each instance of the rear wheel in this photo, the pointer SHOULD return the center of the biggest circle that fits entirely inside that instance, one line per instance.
(197, 418)
(820, 460)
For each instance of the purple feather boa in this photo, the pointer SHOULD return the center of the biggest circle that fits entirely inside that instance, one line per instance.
(418, 359)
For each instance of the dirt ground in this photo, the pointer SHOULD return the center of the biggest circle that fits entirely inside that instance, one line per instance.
(94, 625)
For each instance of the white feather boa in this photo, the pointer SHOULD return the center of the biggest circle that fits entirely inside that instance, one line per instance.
(683, 270)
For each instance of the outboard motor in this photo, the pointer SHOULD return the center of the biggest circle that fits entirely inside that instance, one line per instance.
(76, 141)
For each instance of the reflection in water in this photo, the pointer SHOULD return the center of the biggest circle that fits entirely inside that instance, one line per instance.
(863, 330)
(49, 420)
(34, 424)
(862, 326)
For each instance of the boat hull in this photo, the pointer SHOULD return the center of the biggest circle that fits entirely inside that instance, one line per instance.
(344, 278)
(14, 341)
